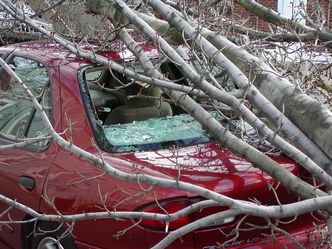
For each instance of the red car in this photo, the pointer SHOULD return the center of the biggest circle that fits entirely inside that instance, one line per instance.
(134, 134)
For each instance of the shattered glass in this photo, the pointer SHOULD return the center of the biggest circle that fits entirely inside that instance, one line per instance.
(155, 131)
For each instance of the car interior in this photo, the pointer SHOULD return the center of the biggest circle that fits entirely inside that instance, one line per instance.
(119, 100)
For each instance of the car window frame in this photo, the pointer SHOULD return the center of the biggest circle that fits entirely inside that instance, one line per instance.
(5, 140)
(5, 55)
(98, 130)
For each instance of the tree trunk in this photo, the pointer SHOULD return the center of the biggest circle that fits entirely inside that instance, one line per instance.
(297, 106)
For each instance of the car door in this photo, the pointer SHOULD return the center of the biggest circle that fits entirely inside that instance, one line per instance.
(23, 170)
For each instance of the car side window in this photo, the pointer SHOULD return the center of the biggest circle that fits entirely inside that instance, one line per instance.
(18, 117)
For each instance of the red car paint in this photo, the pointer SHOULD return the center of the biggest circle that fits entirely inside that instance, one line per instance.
(74, 185)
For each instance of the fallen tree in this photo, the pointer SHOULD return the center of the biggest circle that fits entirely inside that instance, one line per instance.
(290, 111)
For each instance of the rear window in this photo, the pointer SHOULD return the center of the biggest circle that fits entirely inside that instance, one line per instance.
(155, 133)
(134, 116)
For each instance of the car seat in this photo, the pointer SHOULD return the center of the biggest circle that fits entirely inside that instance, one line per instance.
(99, 97)
(140, 108)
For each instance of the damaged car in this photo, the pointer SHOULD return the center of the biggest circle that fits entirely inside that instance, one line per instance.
(134, 128)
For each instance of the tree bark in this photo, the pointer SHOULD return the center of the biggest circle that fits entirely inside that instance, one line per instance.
(312, 117)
